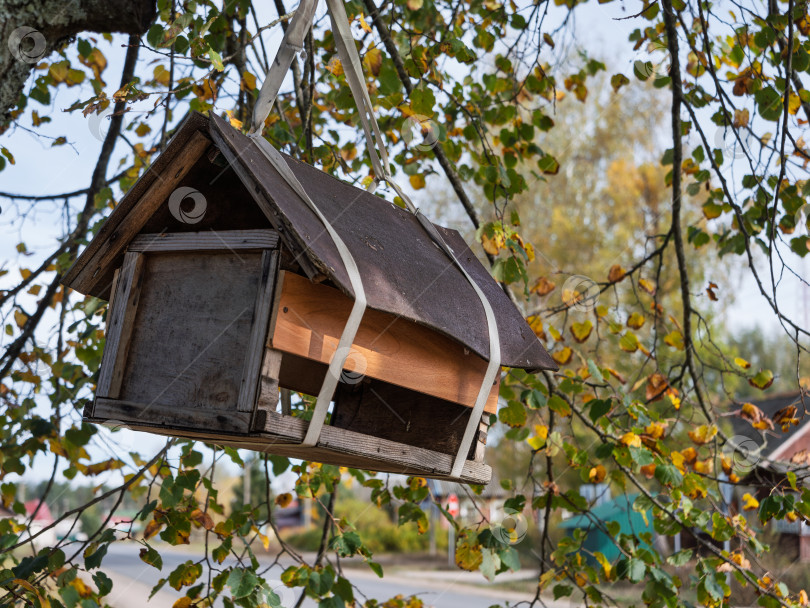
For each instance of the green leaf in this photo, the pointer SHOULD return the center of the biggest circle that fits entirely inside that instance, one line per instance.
(514, 414)
(103, 583)
(242, 582)
(559, 405)
(423, 100)
(216, 59)
(150, 556)
(668, 475)
(681, 558)
(346, 545)
(769, 103)
(632, 569)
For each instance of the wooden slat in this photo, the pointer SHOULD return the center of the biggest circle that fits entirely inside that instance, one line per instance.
(278, 434)
(258, 333)
(119, 325)
(268, 387)
(142, 210)
(336, 444)
(170, 416)
(309, 319)
(259, 444)
(212, 240)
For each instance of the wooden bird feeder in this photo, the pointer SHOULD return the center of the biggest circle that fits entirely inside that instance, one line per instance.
(224, 287)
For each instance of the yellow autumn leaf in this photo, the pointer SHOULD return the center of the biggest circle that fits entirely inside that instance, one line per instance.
(563, 356)
(363, 23)
(417, 181)
(636, 321)
(581, 331)
(373, 61)
(540, 437)
(597, 474)
(248, 81)
(284, 500)
(703, 434)
(20, 318)
(655, 430)
(749, 502)
(183, 602)
(740, 362)
(536, 323)
(703, 466)
(468, 552)
(631, 440)
(674, 339)
(335, 66)
(647, 286)
(677, 459)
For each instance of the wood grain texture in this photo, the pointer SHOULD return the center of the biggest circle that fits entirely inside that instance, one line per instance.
(119, 325)
(373, 407)
(268, 386)
(310, 319)
(170, 416)
(260, 443)
(106, 247)
(338, 445)
(211, 240)
(251, 373)
(191, 330)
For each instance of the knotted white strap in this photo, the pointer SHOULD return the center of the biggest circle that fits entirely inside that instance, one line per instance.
(347, 52)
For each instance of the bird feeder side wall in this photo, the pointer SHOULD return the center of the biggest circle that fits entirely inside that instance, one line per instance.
(185, 338)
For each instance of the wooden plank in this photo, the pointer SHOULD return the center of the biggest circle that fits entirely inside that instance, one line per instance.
(170, 416)
(152, 199)
(388, 411)
(212, 240)
(119, 325)
(191, 329)
(251, 373)
(116, 274)
(310, 319)
(130, 305)
(339, 444)
(268, 387)
(260, 442)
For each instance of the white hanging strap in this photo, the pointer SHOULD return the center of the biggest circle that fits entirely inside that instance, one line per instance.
(359, 307)
(353, 70)
(292, 43)
(347, 52)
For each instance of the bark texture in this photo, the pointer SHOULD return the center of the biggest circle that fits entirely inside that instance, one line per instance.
(31, 29)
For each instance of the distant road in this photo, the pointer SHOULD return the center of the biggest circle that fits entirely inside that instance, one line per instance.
(135, 579)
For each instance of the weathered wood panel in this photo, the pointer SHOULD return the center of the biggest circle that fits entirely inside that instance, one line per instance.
(398, 414)
(107, 246)
(309, 320)
(258, 333)
(171, 417)
(210, 240)
(119, 325)
(191, 330)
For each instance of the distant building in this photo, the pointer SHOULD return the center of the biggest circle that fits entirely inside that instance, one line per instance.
(770, 453)
(42, 519)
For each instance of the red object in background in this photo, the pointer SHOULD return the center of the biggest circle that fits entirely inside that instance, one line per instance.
(452, 505)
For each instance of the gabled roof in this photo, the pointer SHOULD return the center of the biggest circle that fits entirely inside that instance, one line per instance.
(404, 273)
(778, 443)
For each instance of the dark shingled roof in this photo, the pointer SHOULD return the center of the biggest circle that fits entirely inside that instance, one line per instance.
(404, 273)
